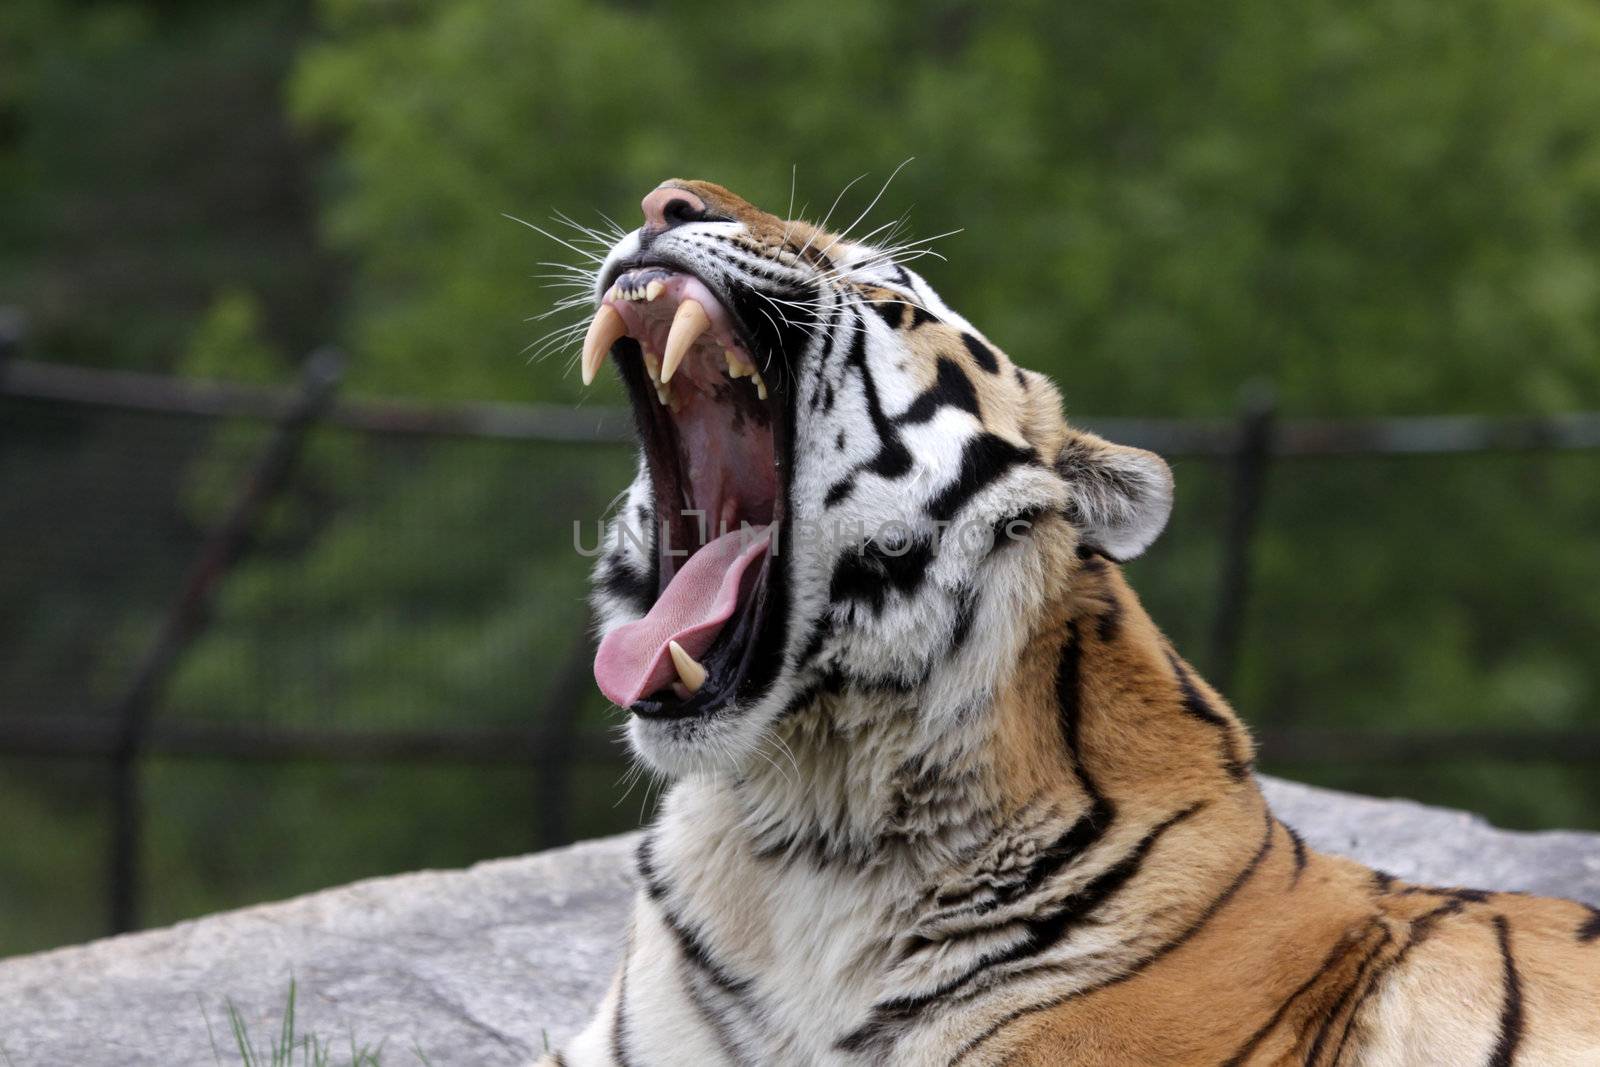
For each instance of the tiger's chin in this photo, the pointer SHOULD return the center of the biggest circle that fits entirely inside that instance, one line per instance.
(712, 417)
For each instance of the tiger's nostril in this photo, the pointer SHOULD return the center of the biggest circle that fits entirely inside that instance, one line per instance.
(681, 210)
(665, 208)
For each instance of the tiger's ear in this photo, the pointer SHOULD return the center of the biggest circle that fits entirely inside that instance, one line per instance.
(1121, 497)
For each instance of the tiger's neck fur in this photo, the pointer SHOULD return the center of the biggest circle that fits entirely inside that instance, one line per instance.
(941, 845)
(1098, 705)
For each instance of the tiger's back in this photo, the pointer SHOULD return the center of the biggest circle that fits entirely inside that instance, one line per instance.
(1299, 957)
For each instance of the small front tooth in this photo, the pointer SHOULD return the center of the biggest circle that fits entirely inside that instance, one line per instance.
(688, 324)
(690, 673)
(654, 289)
(604, 331)
(761, 385)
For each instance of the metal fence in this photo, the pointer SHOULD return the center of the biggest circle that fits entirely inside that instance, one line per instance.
(129, 732)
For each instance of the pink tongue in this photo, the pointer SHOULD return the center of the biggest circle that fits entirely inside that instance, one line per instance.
(633, 660)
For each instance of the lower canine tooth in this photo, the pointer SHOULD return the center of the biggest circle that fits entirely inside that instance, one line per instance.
(690, 673)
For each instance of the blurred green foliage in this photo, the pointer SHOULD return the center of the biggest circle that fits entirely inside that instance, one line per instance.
(1378, 207)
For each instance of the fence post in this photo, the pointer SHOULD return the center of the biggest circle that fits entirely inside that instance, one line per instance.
(13, 328)
(1251, 456)
(186, 617)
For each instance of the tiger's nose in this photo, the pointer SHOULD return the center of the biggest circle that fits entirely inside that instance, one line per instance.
(666, 207)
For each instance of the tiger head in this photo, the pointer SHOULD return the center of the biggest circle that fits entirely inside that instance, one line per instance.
(843, 488)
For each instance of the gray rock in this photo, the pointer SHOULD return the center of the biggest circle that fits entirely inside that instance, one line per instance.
(480, 966)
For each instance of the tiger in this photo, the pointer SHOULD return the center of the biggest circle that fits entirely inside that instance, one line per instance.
(941, 792)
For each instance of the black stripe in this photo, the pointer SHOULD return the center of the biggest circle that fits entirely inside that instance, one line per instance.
(1069, 715)
(1505, 1048)
(984, 459)
(1092, 825)
(689, 942)
(621, 581)
(1099, 812)
(890, 311)
(1345, 997)
(1013, 528)
(866, 574)
(1054, 857)
(830, 331)
(1195, 704)
(1217, 904)
(1422, 928)
(1300, 857)
(716, 1017)
(839, 490)
(1040, 934)
(982, 353)
(1109, 625)
(1096, 568)
(832, 681)
(1590, 930)
(893, 460)
(951, 388)
(1335, 956)
(1077, 907)
(966, 611)
(1470, 896)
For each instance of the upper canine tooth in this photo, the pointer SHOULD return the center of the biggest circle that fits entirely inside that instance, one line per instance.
(690, 673)
(654, 289)
(688, 324)
(603, 333)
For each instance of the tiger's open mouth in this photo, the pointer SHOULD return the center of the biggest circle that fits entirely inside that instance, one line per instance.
(712, 428)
